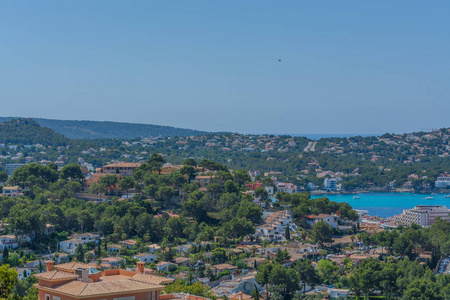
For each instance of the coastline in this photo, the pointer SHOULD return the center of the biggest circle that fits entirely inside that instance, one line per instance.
(369, 191)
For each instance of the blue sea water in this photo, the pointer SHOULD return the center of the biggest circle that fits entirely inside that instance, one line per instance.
(387, 204)
(313, 136)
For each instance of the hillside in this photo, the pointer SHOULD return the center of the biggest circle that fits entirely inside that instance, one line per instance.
(27, 132)
(100, 130)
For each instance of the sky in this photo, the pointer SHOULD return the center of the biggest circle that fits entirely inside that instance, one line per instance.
(346, 66)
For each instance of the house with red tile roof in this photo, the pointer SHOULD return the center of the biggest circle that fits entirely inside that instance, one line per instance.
(74, 281)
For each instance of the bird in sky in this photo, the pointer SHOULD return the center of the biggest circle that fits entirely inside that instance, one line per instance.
(279, 60)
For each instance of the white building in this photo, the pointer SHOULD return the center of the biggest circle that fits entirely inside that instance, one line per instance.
(423, 215)
(69, 246)
(274, 227)
(9, 241)
(338, 293)
(289, 188)
(329, 219)
(146, 257)
(11, 167)
(330, 184)
(442, 181)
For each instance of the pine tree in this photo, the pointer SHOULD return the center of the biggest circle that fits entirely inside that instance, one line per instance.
(79, 253)
(99, 249)
(5, 255)
(288, 233)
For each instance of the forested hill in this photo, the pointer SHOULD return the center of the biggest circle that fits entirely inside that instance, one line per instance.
(101, 130)
(28, 132)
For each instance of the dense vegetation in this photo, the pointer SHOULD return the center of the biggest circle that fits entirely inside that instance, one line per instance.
(109, 130)
(29, 132)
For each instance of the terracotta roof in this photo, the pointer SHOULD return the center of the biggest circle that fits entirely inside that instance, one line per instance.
(224, 267)
(123, 164)
(73, 265)
(55, 274)
(80, 289)
(153, 279)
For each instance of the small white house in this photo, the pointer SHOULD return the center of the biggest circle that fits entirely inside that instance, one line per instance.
(9, 241)
(146, 257)
(329, 219)
(153, 248)
(23, 273)
(163, 265)
(114, 249)
(338, 293)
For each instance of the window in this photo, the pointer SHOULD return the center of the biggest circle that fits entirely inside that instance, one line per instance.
(56, 298)
(125, 298)
(47, 297)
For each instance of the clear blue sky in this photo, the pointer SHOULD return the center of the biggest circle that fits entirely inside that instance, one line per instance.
(347, 66)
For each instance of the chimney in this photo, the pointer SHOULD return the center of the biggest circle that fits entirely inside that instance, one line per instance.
(241, 297)
(140, 266)
(49, 264)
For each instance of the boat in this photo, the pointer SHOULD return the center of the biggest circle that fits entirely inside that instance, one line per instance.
(356, 197)
(429, 198)
(447, 196)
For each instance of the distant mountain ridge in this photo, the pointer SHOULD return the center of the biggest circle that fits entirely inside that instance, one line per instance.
(105, 129)
(29, 132)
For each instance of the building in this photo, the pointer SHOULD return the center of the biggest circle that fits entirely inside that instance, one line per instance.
(254, 186)
(69, 246)
(289, 188)
(274, 227)
(330, 184)
(120, 168)
(442, 181)
(9, 241)
(146, 257)
(423, 215)
(75, 280)
(329, 219)
(113, 261)
(338, 293)
(12, 191)
(11, 167)
(202, 180)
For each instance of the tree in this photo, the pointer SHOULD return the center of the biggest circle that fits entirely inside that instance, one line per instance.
(165, 193)
(307, 273)
(126, 183)
(287, 233)
(8, 278)
(241, 177)
(3, 176)
(281, 256)
(218, 256)
(189, 172)
(155, 162)
(327, 270)
(71, 172)
(262, 277)
(255, 293)
(285, 279)
(5, 255)
(108, 182)
(321, 232)
(261, 193)
(190, 162)
(79, 253)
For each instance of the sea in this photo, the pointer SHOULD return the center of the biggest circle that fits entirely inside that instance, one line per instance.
(387, 204)
(313, 136)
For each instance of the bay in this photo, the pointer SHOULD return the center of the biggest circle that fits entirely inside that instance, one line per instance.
(387, 204)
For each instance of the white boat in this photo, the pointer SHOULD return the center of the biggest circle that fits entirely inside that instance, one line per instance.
(447, 196)
(429, 198)
(356, 197)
